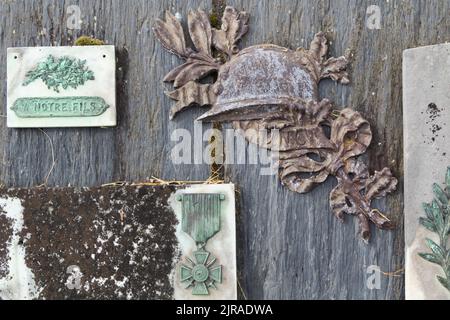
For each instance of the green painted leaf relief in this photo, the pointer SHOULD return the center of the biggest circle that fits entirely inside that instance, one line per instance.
(438, 221)
(427, 223)
(60, 73)
(431, 258)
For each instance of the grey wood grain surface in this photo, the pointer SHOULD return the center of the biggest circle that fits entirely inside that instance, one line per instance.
(290, 246)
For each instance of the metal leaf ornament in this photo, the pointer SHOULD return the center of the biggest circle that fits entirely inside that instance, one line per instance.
(57, 73)
(267, 87)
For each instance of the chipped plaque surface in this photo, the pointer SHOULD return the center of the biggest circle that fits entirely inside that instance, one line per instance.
(61, 87)
(426, 112)
(120, 242)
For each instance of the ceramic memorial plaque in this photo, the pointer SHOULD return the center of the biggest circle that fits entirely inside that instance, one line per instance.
(426, 110)
(118, 242)
(61, 87)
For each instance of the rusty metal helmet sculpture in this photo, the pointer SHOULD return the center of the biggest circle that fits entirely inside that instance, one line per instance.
(267, 87)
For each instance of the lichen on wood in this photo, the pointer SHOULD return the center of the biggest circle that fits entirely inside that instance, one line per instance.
(88, 41)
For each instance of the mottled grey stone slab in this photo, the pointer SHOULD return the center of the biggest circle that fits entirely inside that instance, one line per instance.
(309, 254)
(112, 242)
(426, 115)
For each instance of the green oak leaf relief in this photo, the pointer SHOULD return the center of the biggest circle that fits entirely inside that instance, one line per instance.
(57, 73)
(437, 220)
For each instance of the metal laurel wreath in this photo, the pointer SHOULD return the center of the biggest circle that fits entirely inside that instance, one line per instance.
(267, 87)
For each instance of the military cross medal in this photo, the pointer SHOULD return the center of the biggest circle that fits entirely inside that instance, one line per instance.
(201, 221)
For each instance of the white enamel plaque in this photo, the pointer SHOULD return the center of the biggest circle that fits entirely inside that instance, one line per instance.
(61, 87)
(426, 115)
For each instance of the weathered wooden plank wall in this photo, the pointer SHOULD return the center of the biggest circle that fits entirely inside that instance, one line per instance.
(139, 146)
(290, 245)
(293, 247)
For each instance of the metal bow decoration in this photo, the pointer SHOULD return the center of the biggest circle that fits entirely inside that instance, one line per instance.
(267, 87)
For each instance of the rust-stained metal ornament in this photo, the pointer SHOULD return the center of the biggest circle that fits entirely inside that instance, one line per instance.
(268, 87)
